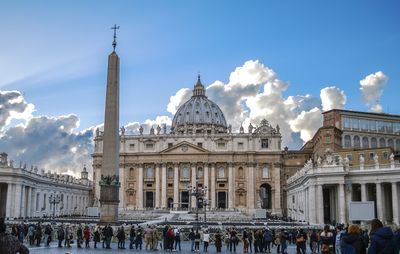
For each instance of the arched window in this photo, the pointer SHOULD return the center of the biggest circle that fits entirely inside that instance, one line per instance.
(347, 141)
(382, 142)
(356, 141)
(374, 143)
(150, 172)
(221, 172)
(131, 172)
(265, 172)
(365, 142)
(170, 173)
(391, 143)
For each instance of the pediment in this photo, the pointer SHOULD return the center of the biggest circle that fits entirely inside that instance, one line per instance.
(184, 148)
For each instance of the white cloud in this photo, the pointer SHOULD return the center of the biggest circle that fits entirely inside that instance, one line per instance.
(50, 143)
(332, 98)
(13, 106)
(372, 88)
(307, 122)
(254, 92)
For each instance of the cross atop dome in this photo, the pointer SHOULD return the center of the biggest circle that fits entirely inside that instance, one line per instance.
(198, 89)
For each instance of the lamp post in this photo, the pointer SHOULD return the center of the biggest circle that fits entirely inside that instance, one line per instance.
(198, 193)
(54, 199)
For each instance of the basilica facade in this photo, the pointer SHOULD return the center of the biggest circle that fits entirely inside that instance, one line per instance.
(161, 169)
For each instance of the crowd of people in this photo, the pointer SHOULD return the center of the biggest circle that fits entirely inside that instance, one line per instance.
(339, 239)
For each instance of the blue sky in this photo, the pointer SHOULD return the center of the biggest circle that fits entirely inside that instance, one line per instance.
(55, 51)
(283, 60)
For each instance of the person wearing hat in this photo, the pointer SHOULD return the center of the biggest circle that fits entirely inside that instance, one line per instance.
(10, 244)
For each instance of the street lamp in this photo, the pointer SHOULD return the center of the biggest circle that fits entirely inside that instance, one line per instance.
(54, 199)
(198, 193)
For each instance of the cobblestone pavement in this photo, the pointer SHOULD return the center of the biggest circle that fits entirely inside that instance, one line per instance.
(185, 249)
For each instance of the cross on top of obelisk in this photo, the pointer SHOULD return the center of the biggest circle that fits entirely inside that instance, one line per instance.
(115, 27)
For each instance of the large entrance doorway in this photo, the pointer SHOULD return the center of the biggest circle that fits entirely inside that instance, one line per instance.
(170, 203)
(266, 196)
(185, 199)
(221, 199)
(149, 199)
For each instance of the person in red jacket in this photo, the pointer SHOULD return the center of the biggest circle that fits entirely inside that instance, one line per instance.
(86, 234)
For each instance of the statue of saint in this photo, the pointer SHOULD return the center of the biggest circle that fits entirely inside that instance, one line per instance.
(141, 130)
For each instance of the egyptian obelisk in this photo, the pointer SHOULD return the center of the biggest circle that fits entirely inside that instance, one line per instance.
(109, 183)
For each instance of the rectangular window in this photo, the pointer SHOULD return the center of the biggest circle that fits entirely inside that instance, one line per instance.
(200, 144)
(149, 185)
(380, 126)
(396, 128)
(356, 125)
(131, 147)
(170, 185)
(327, 140)
(371, 156)
(385, 155)
(170, 145)
(364, 124)
(389, 127)
(221, 172)
(221, 185)
(221, 145)
(149, 146)
(350, 157)
(264, 143)
(372, 125)
(346, 123)
(240, 145)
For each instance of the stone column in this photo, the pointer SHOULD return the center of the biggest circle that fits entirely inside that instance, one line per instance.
(342, 204)
(250, 186)
(164, 186)
(395, 203)
(231, 187)
(29, 199)
(277, 178)
(320, 204)
(212, 192)
(9, 204)
(176, 186)
(194, 183)
(363, 192)
(121, 173)
(311, 205)
(139, 191)
(23, 201)
(206, 182)
(379, 205)
(17, 200)
(158, 186)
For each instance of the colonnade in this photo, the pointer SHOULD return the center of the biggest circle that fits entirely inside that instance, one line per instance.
(33, 201)
(217, 177)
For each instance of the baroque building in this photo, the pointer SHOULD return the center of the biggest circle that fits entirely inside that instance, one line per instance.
(158, 169)
(26, 192)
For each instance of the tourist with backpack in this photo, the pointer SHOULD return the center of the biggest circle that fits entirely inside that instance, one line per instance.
(177, 239)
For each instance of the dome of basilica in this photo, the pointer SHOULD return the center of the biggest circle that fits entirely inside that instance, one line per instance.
(199, 114)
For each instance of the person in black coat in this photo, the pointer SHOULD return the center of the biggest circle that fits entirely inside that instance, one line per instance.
(352, 241)
(96, 237)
